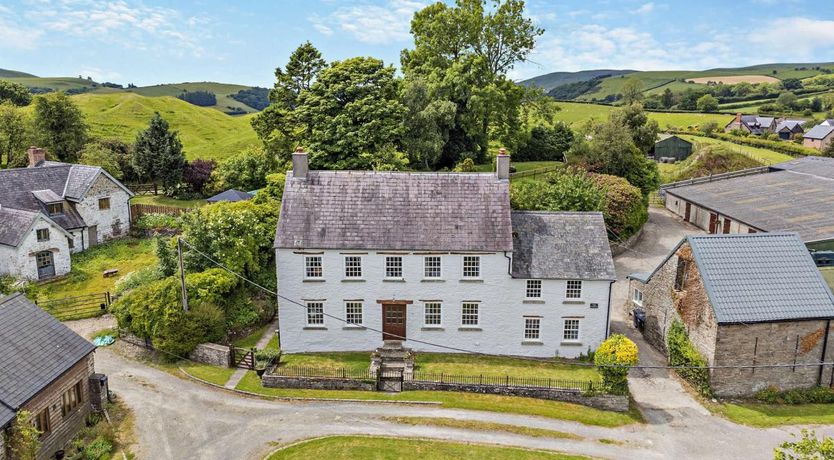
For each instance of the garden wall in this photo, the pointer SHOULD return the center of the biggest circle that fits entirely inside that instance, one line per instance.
(211, 353)
(316, 383)
(619, 248)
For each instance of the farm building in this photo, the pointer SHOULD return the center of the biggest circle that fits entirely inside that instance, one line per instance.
(744, 300)
(787, 129)
(672, 147)
(794, 196)
(819, 137)
(753, 124)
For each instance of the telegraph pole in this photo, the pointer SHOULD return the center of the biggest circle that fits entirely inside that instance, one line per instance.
(182, 276)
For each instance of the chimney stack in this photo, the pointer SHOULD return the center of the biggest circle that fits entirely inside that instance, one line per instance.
(738, 117)
(502, 164)
(300, 164)
(36, 156)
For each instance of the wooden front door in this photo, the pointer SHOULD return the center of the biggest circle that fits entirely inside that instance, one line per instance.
(393, 321)
(727, 223)
(46, 265)
(687, 211)
(713, 223)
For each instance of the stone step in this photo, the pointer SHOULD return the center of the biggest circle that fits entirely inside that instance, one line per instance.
(393, 354)
(396, 344)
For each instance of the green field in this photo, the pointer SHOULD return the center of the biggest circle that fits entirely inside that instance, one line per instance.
(221, 90)
(764, 156)
(205, 133)
(770, 415)
(576, 113)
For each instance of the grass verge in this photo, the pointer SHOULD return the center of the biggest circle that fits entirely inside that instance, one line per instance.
(212, 374)
(354, 361)
(769, 415)
(477, 425)
(454, 400)
(500, 366)
(383, 448)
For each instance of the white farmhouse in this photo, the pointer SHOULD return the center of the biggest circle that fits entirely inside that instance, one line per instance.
(51, 209)
(435, 258)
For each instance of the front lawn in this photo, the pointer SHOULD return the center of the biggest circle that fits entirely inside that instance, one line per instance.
(382, 448)
(252, 339)
(769, 415)
(86, 277)
(354, 361)
(477, 425)
(454, 400)
(162, 200)
(499, 366)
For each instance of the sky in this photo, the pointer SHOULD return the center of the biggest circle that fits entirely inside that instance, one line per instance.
(151, 41)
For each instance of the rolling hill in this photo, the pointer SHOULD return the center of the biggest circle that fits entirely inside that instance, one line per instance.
(554, 79)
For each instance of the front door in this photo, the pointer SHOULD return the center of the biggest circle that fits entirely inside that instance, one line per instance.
(727, 223)
(687, 211)
(713, 223)
(393, 321)
(46, 265)
(93, 235)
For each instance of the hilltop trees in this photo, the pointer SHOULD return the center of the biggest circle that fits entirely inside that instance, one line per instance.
(15, 93)
(158, 154)
(16, 134)
(59, 126)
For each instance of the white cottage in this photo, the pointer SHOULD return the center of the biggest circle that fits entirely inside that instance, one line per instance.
(435, 258)
(51, 209)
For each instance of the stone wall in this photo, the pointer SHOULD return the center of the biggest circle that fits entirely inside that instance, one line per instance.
(277, 381)
(2, 446)
(63, 427)
(604, 402)
(771, 343)
(110, 223)
(211, 353)
(21, 261)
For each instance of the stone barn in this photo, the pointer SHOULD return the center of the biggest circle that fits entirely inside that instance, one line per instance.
(746, 300)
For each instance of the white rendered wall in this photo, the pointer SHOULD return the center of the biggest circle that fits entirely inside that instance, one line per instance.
(20, 261)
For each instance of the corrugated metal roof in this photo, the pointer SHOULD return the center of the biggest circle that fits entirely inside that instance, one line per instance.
(561, 245)
(761, 277)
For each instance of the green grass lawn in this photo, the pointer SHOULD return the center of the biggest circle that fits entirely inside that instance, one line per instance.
(519, 166)
(86, 277)
(764, 156)
(498, 366)
(452, 400)
(162, 200)
(222, 92)
(477, 425)
(770, 415)
(382, 448)
(828, 276)
(576, 113)
(213, 374)
(354, 361)
(252, 339)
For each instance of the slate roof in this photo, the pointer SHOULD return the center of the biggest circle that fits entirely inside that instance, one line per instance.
(819, 132)
(395, 210)
(14, 224)
(230, 195)
(561, 245)
(35, 349)
(760, 277)
(755, 123)
(47, 196)
(790, 125)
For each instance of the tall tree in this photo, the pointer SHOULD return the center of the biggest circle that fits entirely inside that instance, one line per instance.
(668, 98)
(632, 90)
(427, 123)
(16, 134)
(301, 71)
(96, 154)
(643, 131)
(15, 93)
(157, 154)
(59, 126)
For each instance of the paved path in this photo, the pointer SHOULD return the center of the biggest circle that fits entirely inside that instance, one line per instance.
(262, 342)
(182, 419)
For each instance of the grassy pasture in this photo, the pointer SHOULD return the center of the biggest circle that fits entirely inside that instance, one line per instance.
(223, 91)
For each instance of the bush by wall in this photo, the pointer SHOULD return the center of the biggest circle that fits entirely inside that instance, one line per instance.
(683, 353)
(813, 395)
(614, 358)
(625, 211)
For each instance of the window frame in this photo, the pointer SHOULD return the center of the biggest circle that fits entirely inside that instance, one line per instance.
(528, 335)
(360, 313)
(634, 297)
(42, 231)
(466, 322)
(427, 267)
(310, 314)
(438, 314)
(477, 267)
(106, 201)
(528, 289)
(71, 399)
(573, 293)
(51, 206)
(396, 263)
(43, 423)
(357, 268)
(572, 330)
(308, 267)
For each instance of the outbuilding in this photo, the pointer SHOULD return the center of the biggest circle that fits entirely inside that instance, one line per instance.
(672, 147)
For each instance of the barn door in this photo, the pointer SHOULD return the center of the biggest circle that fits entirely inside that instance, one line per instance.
(687, 211)
(727, 223)
(713, 223)
(93, 235)
(46, 264)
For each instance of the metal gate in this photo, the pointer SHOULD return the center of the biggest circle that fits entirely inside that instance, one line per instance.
(390, 380)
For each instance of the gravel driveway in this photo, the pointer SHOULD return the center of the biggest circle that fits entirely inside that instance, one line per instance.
(181, 419)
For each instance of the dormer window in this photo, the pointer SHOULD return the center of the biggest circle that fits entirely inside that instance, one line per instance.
(55, 208)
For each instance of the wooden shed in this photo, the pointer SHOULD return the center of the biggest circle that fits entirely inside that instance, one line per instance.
(672, 147)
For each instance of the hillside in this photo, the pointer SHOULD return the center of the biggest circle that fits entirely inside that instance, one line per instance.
(223, 91)
(205, 133)
(576, 112)
(554, 79)
(4, 73)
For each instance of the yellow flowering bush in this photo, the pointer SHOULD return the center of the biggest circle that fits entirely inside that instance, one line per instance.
(613, 359)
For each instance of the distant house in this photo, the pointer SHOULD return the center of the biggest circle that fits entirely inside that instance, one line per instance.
(672, 147)
(753, 124)
(230, 195)
(828, 122)
(746, 300)
(47, 370)
(820, 136)
(787, 129)
(51, 209)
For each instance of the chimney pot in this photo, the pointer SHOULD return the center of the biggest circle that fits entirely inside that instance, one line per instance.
(502, 164)
(300, 164)
(36, 156)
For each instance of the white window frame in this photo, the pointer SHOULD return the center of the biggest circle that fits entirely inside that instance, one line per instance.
(427, 267)
(308, 266)
(533, 286)
(438, 314)
(319, 315)
(347, 273)
(393, 262)
(477, 267)
(476, 314)
(637, 297)
(574, 329)
(573, 291)
(353, 304)
(532, 329)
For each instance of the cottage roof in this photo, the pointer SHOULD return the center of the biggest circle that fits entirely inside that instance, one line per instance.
(759, 277)
(47, 196)
(230, 195)
(395, 210)
(561, 245)
(819, 132)
(35, 349)
(790, 125)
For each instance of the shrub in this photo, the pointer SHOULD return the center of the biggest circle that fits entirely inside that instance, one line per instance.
(167, 262)
(613, 359)
(99, 449)
(274, 189)
(138, 278)
(683, 353)
(807, 448)
(813, 395)
(465, 165)
(157, 222)
(572, 189)
(23, 438)
(625, 212)
(546, 144)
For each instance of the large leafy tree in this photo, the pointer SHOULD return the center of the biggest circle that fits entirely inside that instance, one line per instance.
(157, 154)
(59, 126)
(16, 134)
(15, 93)
(463, 53)
(246, 170)
(97, 154)
(637, 123)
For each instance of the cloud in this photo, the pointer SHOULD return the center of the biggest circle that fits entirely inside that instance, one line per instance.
(15, 36)
(99, 74)
(645, 8)
(372, 24)
(806, 36)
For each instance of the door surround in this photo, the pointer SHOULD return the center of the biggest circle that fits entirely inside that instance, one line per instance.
(394, 318)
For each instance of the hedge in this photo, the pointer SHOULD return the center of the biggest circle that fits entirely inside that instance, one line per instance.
(788, 148)
(683, 353)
